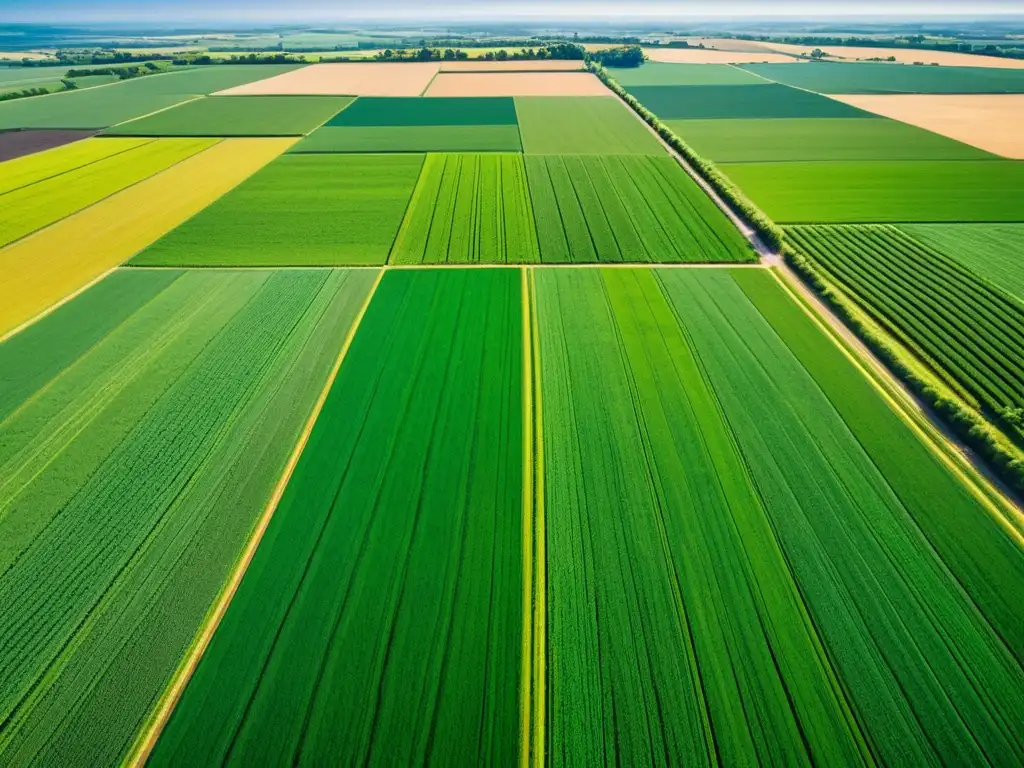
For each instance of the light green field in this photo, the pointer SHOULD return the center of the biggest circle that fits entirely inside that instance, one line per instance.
(993, 251)
(661, 73)
(415, 138)
(582, 125)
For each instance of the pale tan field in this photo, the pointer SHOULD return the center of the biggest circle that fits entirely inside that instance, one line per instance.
(351, 79)
(728, 44)
(46, 267)
(905, 55)
(517, 84)
(990, 122)
(19, 55)
(708, 56)
(511, 66)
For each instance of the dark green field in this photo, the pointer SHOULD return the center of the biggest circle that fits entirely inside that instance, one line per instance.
(870, 77)
(369, 111)
(675, 102)
(659, 73)
(411, 138)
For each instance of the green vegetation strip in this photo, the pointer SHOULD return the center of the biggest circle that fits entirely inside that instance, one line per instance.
(418, 138)
(393, 561)
(661, 73)
(582, 125)
(626, 208)
(131, 481)
(821, 138)
(884, 192)
(980, 555)
(995, 252)
(237, 116)
(870, 77)
(301, 210)
(469, 209)
(371, 111)
(667, 590)
(927, 677)
(36, 205)
(129, 99)
(963, 328)
(677, 102)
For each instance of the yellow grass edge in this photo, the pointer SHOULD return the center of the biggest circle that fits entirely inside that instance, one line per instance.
(148, 736)
(1004, 512)
(540, 546)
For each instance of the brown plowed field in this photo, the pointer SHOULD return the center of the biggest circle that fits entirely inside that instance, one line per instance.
(511, 66)
(18, 143)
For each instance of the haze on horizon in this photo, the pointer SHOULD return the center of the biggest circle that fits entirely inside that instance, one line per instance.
(453, 11)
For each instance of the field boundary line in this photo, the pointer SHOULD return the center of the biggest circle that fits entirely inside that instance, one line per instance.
(540, 593)
(154, 112)
(526, 651)
(56, 305)
(146, 141)
(148, 736)
(933, 435)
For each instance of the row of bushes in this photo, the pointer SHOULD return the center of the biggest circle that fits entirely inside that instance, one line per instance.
(976, 433)
(766, 229)
(68, 85)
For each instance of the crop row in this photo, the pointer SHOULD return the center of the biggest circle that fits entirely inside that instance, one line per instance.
(131, 482)
(384, 603)
(466, 209)
(963, 327)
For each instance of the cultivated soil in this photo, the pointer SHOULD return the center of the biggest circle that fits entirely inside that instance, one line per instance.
(517, 84)
(19, 143)
(511, 66)
(351, 79)
(989, 122)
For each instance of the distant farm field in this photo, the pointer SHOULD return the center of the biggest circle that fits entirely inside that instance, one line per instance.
(129, 99)
(808, 138)
(656, 73)
(516, 84)
(370, 111)
(677, 102)
(595, 125)
(241, 116)
(466, 209)
(626, 208)
(35, 205)
(880, 192)
(42, 269)
(868, 77)
(181, 402)
(351, 79)
(426, 415)
(302, 210)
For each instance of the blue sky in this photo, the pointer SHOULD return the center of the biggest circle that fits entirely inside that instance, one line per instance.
(242, 11)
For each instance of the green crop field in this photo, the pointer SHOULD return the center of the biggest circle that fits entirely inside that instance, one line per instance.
(370, 111)
(33, 169)
(394, 560)
(132, 478)
(884, 192)
(582, 125)
(962, 327)
(995, 252)
(660, 73)
(715, 102)
(417, 138)
(238, 116)
(301, 210)
(809, 138)
(872, 77)
(129, 99)
(678, 434)
(35, 204)
(469, 208)
(626, 208)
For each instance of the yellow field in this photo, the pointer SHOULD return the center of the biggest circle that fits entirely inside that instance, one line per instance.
(41, 270)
